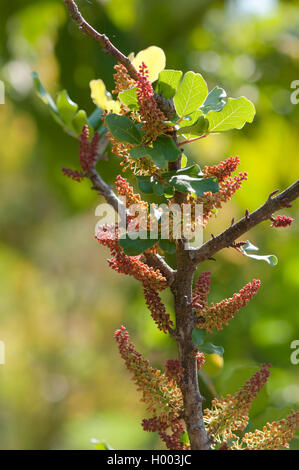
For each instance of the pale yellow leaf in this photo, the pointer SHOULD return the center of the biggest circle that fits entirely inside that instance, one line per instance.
(102, 98)
(155, 60)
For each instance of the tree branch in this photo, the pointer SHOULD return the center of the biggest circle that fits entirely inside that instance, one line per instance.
(105, 190)
(226, 239)
(165, 105)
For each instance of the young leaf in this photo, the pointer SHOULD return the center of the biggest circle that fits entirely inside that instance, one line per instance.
(43, 94)
(234, 115)
(248, 248)
(102, 98)
(198, 336)
(101, 445)
(215, 100)
(190, 94)
(155, 60)
(145, 184)
(188, 184)
(168, 82)
(129, 98)
(95, 119)
(66, 107)
(134, 247)
(163, 150)
(199, 128)
(123, 129)
(79, 121)
(210, 348)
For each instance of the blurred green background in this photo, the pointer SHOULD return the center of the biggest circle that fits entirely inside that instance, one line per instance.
(63, 382)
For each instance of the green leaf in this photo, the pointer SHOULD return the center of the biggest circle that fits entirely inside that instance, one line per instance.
(163, 150)
(198, 336)
(145, 184)
(168, 246)
(199, 128)
(168, 82)
(188, 184)
(184, 161)
(193, 170)
(95, 119)
(210, 348)
(141, 151)
(234, 115)
(248, 248)
(79, 121)
(129, 98)
(43, 94)
(215, 100)
(66, 107)
(190, 94)
(123, 129)
(133, 247)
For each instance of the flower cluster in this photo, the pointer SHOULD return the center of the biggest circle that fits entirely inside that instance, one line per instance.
(281, 221)
(73, 174)
(228, 185)
(149, 111)
(201, 290)
(174, 370)
(124, 189)
(88, 149)
(216, 316)
(130, 265)
(157, 308)
(230, 414)
(274, 435)
(200, 360)
(223, 170)
(122, 79)
(160, 392)
(88, 154)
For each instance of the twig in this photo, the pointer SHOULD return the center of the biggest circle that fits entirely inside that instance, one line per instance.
(227, 238)
(165, 105)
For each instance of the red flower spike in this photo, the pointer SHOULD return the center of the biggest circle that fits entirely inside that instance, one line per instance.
(217, 316)
(223, 170)
(88, 149)
(149, 112)
(281, 221)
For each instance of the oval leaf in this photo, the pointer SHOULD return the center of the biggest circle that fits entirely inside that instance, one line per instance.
(234, 115)
(168, 83)
(190, 94)
(123, 129)
(102, 98)
(155, 60)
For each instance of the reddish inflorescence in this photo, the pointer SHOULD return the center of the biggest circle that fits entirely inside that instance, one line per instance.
(73, 174)
(157, 308)
(160, 392)
(122, 79)
(223, 170)
(88, 149)
(274, 436)
(149, 111)
(228, 185)
(174, 370)
(200, 360)
(217, 316)
(201, 290)
(281, 221)
(230, 414)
